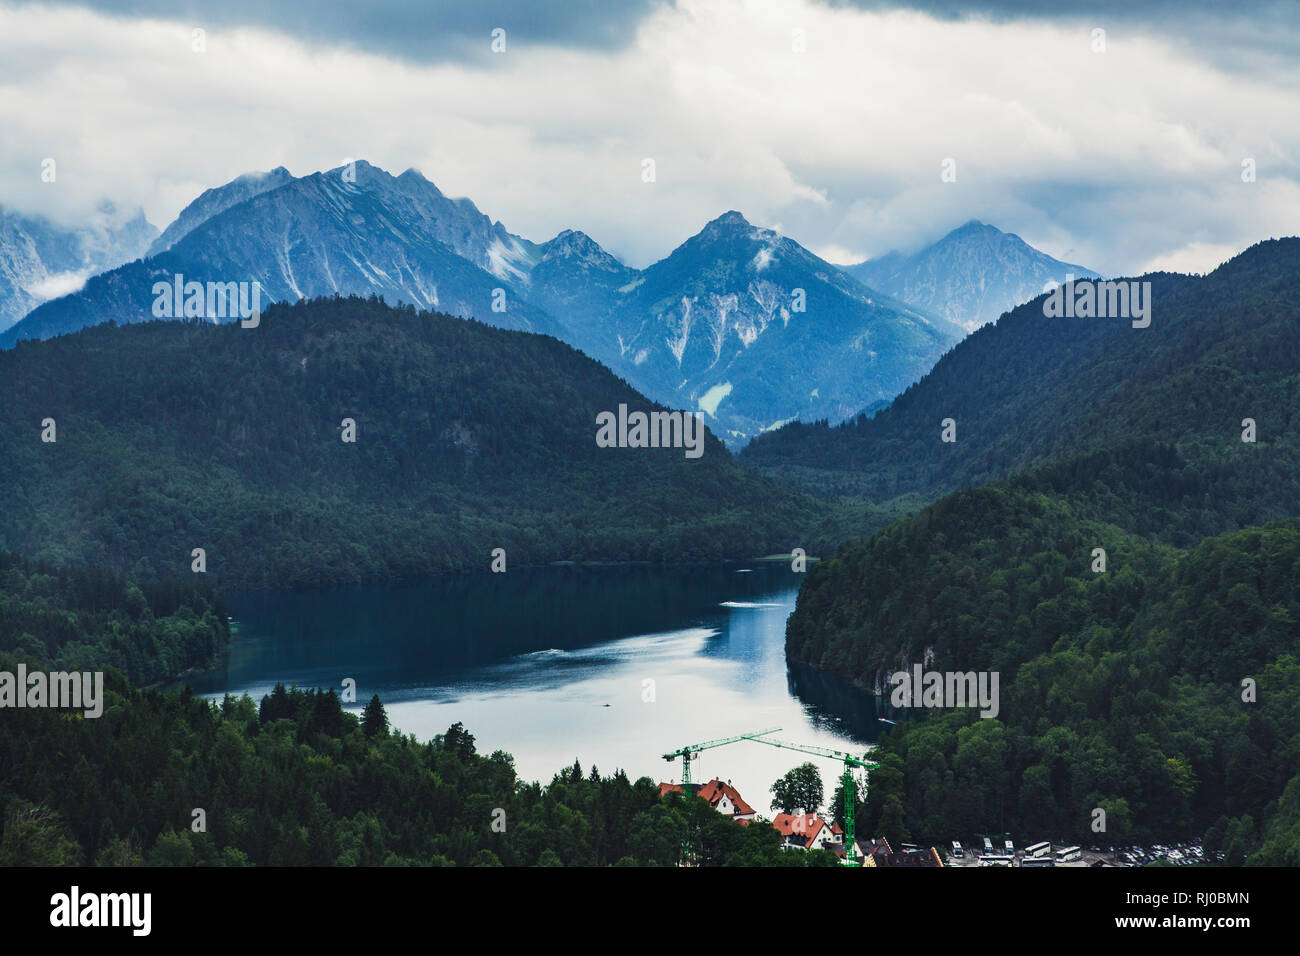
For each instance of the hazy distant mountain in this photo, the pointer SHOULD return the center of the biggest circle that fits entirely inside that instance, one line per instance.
(40, 260)
(352, 230)
(217, 200)
(576, 279)
(456, 222)
(754, 329)
(969, 277)
(738, 322)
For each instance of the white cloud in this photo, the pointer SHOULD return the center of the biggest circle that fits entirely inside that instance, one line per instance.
(1109, 160)
(1195, 257)
(53, 286)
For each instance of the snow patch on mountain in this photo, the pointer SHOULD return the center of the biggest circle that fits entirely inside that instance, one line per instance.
(710, 400)
(723, 306)
(680, 335)
(504, 261)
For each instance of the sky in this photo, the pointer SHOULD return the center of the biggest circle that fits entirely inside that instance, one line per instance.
(1109, 134)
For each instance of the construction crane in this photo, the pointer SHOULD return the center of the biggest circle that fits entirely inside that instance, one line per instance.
(850, 785)
(688, 752)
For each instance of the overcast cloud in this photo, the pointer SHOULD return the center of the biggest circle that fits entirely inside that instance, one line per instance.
(1121, 160)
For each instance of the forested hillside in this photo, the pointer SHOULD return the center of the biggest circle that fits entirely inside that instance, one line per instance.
(1119, 690)
(1118, 411)
(983, 579)
(173, 436)
(298, 781)
(88, 618)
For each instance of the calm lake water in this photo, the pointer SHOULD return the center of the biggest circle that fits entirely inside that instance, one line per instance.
(555, 663)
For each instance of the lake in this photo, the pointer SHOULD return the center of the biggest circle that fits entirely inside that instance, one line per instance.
(614, 666)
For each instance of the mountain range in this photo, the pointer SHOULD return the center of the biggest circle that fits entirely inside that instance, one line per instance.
(752, 328)
(353, 230)
(970, 276)
(739, 322)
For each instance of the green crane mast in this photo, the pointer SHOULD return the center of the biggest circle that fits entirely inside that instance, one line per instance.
(850, 786)
(687, 752)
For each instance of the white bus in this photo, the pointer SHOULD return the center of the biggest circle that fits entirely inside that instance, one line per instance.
(1010, 848)
(1066, 854)
(1038, 849)
(1038, 861)
(988, 847)
(997, 861)
(957, 851)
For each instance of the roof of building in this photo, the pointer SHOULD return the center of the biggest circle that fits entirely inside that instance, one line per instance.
(790, 826)
(713, 792)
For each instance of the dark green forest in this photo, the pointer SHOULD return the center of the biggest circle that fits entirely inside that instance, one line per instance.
(89, 618)
(1123, 689)
(1120, 690)
(299, 781)
(172, 436)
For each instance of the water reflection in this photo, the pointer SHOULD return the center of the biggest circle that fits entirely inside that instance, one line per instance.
(612, 665)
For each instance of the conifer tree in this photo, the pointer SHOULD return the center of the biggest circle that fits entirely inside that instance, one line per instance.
(374, 721)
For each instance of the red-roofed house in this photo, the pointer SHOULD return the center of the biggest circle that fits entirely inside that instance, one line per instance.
(809, 831)
(723, 797)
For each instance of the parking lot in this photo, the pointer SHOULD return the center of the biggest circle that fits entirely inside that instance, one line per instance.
(1179, 854)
